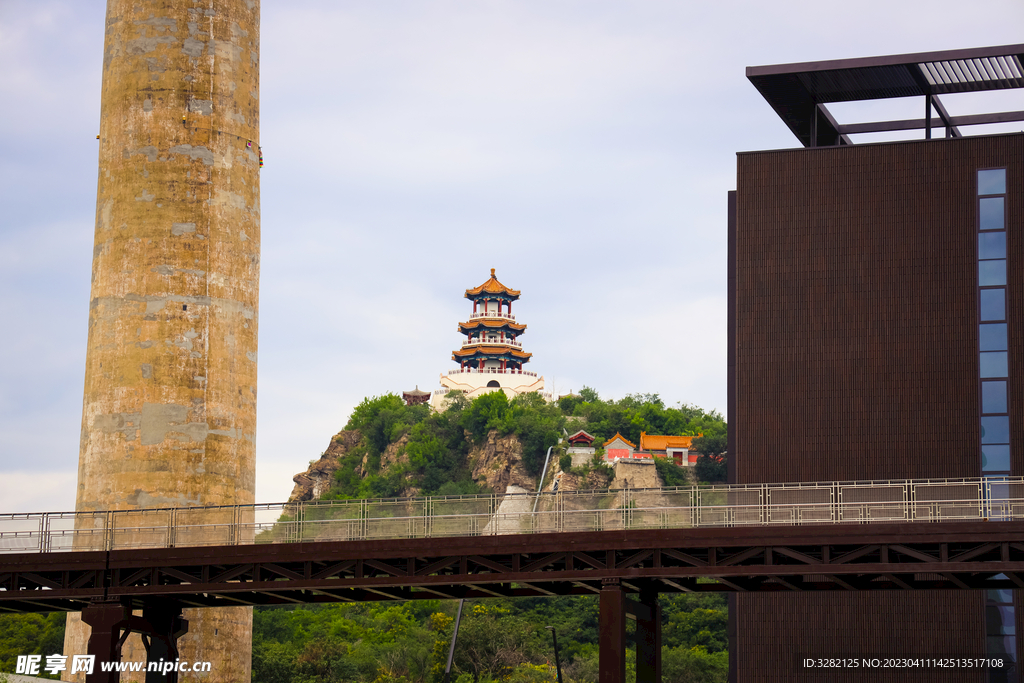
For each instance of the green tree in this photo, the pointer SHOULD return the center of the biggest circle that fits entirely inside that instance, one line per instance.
(370, 408)
(711, 469)
(694, 665)
(567, 404)
(325, 661)
(701, 626)
(492, 641)
(273, 662)
(711, 466)
(565, 462)
(714, 444)
(488, 411)
(30, 634)
(671, 474)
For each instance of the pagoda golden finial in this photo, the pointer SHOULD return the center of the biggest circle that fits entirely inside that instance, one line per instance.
(492, 272)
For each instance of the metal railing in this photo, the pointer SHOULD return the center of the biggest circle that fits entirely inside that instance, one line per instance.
(490, 371)
(489, 514)
(474, 341)
(492, 314)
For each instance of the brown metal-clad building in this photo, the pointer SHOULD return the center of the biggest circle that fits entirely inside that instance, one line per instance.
(854, 339)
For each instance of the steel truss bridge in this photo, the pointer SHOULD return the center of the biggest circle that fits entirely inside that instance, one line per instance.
(618, 545)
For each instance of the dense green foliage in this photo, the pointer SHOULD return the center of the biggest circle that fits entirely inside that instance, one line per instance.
(437, 445)
(408, 642)
(671, 474)
(712, 464)
(710, 444)
(30, 634)
(711, 469)
(501, 640)
(639, 413)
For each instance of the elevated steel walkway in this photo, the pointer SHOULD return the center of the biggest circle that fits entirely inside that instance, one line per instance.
(723, 506)
(619, 545)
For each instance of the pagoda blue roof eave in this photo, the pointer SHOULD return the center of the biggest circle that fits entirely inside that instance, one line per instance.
(492, 353)
(521, 362)
(510, 295)
(493, 348)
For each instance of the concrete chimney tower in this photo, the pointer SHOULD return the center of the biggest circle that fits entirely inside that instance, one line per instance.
(169, 415)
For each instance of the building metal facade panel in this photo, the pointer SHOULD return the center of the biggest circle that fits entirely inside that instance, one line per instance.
(856, 626)
(854, 355)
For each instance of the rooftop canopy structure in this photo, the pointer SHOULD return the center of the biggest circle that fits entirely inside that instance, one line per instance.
(799, 92)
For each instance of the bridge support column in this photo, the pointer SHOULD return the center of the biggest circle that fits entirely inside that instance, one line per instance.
(111, 622)
(105, 619)
(165, 625)
(648, 639)
(612, 630)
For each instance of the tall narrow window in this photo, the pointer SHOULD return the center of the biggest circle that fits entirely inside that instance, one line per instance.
(994, 371)
(993, 347)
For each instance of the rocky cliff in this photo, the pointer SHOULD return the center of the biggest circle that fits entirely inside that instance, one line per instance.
(315, 481)
(497, 463)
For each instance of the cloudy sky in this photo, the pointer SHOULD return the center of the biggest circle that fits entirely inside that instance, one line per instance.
(583, 148)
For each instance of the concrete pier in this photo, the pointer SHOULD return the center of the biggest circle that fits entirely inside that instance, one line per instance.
(169, 412)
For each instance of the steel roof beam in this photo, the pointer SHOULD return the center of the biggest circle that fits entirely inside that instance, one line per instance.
(918, 124)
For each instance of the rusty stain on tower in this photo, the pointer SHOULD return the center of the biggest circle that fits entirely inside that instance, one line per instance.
(169, 413)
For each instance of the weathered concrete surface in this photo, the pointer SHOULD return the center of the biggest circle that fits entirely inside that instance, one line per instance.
(636, 474)
(169, 414)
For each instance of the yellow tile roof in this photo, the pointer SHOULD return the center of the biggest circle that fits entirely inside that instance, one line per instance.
(473, 324)
(659, 442)
(621, 438)
(492, 286)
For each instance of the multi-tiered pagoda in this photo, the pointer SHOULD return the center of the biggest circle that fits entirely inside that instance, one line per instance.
(492, 356)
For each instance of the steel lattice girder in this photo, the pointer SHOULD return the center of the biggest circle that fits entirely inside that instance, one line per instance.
(949, 555)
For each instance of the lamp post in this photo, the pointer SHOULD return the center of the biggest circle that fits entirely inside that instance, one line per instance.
(558, 663)
(451, 649)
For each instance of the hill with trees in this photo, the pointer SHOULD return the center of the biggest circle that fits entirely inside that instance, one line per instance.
(391, 449)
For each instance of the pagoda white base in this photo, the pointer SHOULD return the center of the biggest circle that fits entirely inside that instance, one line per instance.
(474, 382)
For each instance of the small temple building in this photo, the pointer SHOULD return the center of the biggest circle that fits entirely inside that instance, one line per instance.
(492, 356)
(581, 448)
(676, 448)
(415, 396)
(619, 447)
